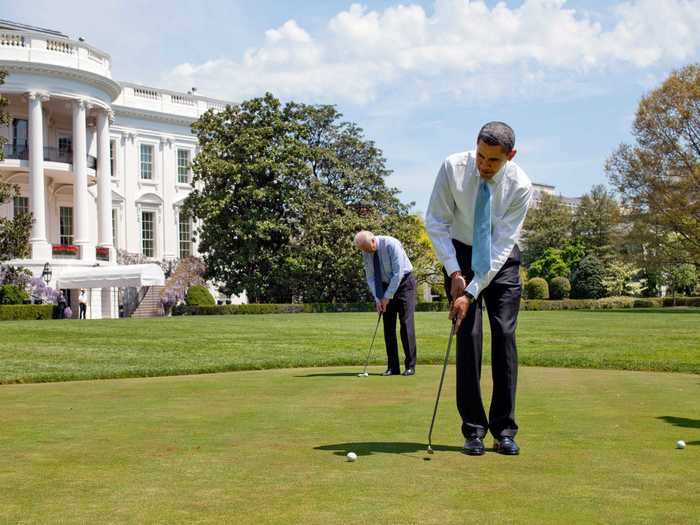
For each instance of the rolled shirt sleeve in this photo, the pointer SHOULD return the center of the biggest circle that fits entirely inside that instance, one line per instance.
(504, 235)
(438, 220)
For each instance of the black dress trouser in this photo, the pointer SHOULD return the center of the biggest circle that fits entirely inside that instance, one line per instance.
(403, 305)
(502, 298)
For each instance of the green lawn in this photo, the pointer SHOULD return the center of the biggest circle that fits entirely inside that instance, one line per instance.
(37, 351)
(268, 446)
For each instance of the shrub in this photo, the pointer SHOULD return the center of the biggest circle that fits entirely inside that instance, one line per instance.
(26, 312)
(559, 288)
(647, 303)
(198, 295)
(11, 294)
(536, 288)
(587, 280)
(682, 301)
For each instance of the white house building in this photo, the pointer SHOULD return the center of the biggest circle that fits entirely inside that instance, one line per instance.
(102, 165)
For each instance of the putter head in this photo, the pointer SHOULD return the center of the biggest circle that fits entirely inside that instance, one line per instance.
(430, 450)
(363, 374)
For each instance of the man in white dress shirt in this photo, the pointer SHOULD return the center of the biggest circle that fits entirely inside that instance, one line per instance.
(476, 211)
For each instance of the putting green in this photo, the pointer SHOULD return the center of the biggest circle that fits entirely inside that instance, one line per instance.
(269, 447)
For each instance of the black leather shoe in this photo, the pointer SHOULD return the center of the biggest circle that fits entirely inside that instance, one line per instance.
(409, 372)
(474, 446)
(507, 446)
(389, 372)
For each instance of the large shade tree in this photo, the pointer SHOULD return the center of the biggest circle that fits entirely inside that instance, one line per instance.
(280, 191)
(658, 177)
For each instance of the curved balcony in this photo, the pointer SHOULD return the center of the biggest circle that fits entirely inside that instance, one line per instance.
(12, 151)
(27, 45)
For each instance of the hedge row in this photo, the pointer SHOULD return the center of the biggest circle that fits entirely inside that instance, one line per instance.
(26, 312)
(531, 304)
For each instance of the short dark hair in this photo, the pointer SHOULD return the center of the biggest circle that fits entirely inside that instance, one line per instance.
(498, 134)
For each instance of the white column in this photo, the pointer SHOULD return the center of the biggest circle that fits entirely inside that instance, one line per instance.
(41, 249)
(169, 229)
(80, 183)
(104, 185)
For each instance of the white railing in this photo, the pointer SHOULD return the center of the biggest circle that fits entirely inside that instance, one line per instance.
(94, 56)
(11, 39)
(146, 93)
(217, 107)
(59, 46)
(35, 47)
(181, 99)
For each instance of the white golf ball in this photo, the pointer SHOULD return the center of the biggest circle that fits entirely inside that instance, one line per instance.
(680, 444)
(351, 456)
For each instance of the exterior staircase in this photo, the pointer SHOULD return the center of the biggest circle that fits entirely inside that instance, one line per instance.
(150, 305)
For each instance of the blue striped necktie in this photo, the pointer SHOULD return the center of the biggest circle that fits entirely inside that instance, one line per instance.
(378, 284)
(481, 243)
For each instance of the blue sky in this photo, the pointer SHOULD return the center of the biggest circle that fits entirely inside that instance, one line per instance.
(419, 77)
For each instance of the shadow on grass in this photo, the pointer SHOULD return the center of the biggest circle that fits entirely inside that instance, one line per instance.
(336, 374)
(681, 421)
(368, 448)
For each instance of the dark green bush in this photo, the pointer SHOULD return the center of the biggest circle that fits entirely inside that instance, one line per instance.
(198, 295)
(682, 301)
(26, 312)
(11, 294)
(536, 288)
(531, 304)
(587, 280)
(559, 288)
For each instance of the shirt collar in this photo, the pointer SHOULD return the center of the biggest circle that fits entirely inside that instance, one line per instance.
(496, 179)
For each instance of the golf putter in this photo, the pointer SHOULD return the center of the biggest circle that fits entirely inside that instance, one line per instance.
(369, 353)
(442, 378)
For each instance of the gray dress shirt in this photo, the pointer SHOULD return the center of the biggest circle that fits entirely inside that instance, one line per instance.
(394, 264)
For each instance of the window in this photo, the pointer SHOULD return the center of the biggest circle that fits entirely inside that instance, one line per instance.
(146, 162)
(185, 236)
(115, 229)
(65, 149)
(20, 132)
(147, 237)
(113, 157)
(66, 225)
(183, 166)
(20, 205)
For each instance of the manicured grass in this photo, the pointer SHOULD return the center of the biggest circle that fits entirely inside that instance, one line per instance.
(38, 351)
(268, 447)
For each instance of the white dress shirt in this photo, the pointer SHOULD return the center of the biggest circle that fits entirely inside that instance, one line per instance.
(450, 213)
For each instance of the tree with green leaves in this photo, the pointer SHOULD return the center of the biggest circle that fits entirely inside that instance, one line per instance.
(546, 226)
(658, 177)
(681, 278)
(587, 282)
(280, 191)
(596, 222)
(550, 265)
(14, 232)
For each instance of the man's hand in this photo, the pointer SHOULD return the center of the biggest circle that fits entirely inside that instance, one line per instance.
(458, 310)
(381, 305)
(457, 285)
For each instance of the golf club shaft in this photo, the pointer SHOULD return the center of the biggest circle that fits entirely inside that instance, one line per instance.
(369, 352)
(442, 379)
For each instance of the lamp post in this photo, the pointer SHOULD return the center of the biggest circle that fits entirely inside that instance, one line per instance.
(46, 274)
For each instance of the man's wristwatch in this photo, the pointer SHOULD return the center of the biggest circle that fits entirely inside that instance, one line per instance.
(470, 296)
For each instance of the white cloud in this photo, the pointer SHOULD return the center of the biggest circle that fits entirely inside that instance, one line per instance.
(461, 47)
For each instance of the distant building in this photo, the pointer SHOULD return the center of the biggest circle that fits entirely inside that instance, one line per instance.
(570, 202)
